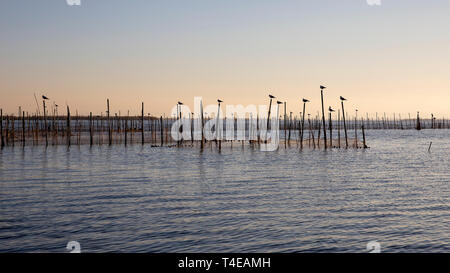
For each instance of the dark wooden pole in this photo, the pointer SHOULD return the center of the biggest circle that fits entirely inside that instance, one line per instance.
(202, 123)
(303, 125)
(1, 129)
(142, 124)
(23, 128)
(356, 129)
(126, 129)
(339, 128)
(323, 121)
(364, 137)
(331, 132)
(45, 124)
(161, 128)
(109, 122)
(285, 118)
(345, 126)
(91, 138)
(268, 119)
(69, 133)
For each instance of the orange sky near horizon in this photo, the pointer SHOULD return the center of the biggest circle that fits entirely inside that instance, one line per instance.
(392, 58)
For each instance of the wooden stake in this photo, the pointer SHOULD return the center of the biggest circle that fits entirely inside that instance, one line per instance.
(364, 137)
(69, 133)
(1, 129)
(91, 138)
(323, 121)
(142, 124)
(109, 123)
(23, 128)
(345, 126)
(45, 124)
(162, 129)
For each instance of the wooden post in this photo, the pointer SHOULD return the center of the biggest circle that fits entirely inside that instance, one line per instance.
(23, 128)
(290, 124)
(109, 123)
(311, 132)
(203, 124)
(126, 129)
(356, 129)
(1, 129)
(142, 124)
(345, 126)
(69, 133)
(364, 137)
(13, 130)
(161, 128)
(323, 121)
(192, 127)
(45, 124)
(331, 132)
(418, 127)
(285, 118)
(268, 119)
(91, 139)
(303, 125)
(339, 127)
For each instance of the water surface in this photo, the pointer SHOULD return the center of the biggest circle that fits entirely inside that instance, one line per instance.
(144, 199)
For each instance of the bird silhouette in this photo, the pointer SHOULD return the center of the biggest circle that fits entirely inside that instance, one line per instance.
(180, 103)
(330, 109)
(219, 101)
(342, 98)
(305, 100)
(272, 97)
(279, 102)
(44, 97)
(322, 87)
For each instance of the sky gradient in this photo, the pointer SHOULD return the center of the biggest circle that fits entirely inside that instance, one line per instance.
(388, 58)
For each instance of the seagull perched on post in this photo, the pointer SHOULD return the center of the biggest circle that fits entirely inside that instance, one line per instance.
(305, 100)
(180, 103)
(279, 102)
(322, 87)
(330, 109)
(219, 101)
(272, 97)
(342, 98)
(44, 97)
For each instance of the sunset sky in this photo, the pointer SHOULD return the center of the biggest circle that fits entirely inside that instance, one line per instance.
(389, 58)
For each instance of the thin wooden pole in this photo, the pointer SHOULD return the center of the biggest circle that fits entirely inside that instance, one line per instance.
(364, 137)
(356, 129)
(303, 125)
(126, 129)
(142, 124)
(418, 126)
(1, 129)
(109, 123)
(161, 128)
(45, 124)
(323, 121)
(339, 128)
(268, 119)
(23, 128)
(289, 132)
(331, 132)
(69, 133)
(91, 138)
(202, 124)
(285, 118)
(345, 126)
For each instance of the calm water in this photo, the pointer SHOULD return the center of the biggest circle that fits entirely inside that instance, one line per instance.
(143, 199)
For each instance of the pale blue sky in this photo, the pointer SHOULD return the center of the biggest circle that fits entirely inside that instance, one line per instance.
(387, 58)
